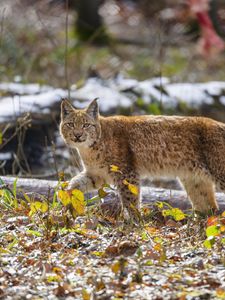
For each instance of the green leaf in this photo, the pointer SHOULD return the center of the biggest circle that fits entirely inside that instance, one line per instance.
(209, 242)
(160, 204)
(1, 181)
(15, 202)
(33, 232)
(7, 196)
(27, 198)
(102, 193)
(144, 236)
(154, 109)
(213, 230)
(158, 240)
(2, 250)
(176, 213)
(93, 199)
(12, 244)
(14, 187)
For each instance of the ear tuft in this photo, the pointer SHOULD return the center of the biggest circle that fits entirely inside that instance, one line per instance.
(93, 109)
(66, 107)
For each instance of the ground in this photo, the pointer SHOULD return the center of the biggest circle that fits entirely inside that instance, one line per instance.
(45, 253)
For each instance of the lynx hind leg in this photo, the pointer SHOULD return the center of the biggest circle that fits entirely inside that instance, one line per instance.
(220, 182)
(201, 193)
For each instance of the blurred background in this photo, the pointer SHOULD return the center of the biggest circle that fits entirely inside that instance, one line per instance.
(138, 38)
(136, 55)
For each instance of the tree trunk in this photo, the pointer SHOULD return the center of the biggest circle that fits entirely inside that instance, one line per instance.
(89, 24)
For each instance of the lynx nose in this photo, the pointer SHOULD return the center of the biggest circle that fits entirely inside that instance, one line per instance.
(78, 135)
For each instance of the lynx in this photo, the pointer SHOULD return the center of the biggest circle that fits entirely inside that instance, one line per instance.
(190, 148)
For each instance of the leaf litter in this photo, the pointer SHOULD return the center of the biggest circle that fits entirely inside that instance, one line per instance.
(47, 253)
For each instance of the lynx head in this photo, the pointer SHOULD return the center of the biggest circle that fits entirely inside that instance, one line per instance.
(80, 127)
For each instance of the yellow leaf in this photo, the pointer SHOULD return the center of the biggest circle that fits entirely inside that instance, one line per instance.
(220, 293)
(151, 230)
(175, 276)
(133, 189)
(158, 247)
(98, 253)
(78, 195)
(114, 168)
(78, 202)
(223, 214)
(57, 270)
(38, 206)
(222, 228)
(34, 207)
(44, 207)
(64, 197)
(176, 213)
(125, 182)
(86, 295)
(54, 278)
(115, 267)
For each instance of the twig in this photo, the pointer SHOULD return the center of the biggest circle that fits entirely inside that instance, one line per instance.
(46, 30)
(66, 49)
(2, 26)
(22, 123)
(54, 159)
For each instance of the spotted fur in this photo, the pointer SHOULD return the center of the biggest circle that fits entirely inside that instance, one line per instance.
(191, 148)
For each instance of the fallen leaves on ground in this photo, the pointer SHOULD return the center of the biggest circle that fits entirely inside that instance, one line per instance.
(91, 258)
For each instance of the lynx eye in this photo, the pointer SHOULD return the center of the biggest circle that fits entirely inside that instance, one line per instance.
(86, 125)
(71, 125)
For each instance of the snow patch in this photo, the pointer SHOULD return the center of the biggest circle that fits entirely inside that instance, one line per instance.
(24, 89)
(108, 97)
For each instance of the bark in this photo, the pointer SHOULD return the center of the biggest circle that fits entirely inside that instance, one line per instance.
(39, 188)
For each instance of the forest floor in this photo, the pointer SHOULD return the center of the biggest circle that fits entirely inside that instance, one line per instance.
(47, 254)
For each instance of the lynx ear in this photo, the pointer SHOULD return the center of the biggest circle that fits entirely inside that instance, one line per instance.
(92, 109)
(66, 108)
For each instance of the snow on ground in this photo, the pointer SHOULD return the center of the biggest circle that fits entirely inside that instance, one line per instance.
(113, 93)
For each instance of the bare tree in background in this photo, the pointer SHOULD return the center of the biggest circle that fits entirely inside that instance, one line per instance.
(89, 23)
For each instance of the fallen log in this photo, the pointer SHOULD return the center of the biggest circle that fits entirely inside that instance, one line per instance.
(46, 188)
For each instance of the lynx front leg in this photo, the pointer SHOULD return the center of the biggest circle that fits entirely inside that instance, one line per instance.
(129, 190)
(85, 182)
(201, 193)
